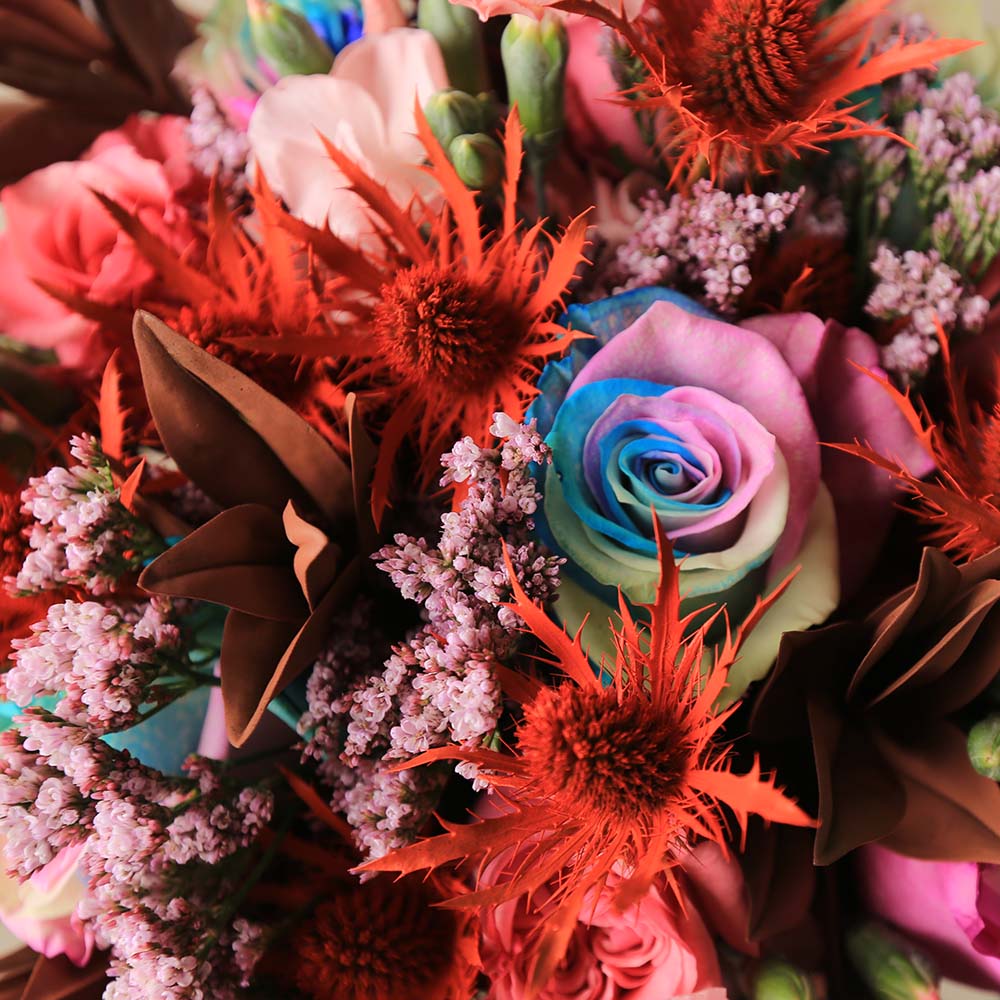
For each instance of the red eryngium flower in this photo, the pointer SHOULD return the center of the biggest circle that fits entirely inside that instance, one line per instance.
(444, 323)
(741, 83)
(961, 505)
(617, 777)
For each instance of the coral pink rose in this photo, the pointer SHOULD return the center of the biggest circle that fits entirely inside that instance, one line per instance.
(365, 108)
(950, 909)
(662, 948)
(41, 912)
(58, 233)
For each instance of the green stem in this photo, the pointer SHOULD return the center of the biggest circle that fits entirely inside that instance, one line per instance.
(536, 164)
(282, 707)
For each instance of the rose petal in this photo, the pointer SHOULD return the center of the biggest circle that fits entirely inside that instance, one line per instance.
(673, 347)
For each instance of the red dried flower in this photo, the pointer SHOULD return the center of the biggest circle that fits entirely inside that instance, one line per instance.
(606, 778)
(739, 84)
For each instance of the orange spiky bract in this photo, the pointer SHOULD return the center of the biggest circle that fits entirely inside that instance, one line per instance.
(741, 84)
(606, 777)
(239, 285)
(961, 507)
(445, 325)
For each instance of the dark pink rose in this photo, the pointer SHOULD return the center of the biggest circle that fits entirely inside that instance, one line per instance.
(58, 233)
(950, 909)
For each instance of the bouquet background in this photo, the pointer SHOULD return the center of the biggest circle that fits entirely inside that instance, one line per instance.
(499, 499)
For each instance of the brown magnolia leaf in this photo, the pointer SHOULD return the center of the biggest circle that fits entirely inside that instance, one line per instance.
(952, 813)
(260, 659)
(152, 33)
(64, 18)
(241, 559)
(780, 878)
(316, 557)
(937, 584)
(364, 454)
(81, 85)
(18, 28)
(967, 679)
(58, 979)
(937, 666)
(860, 798)
(233, 439)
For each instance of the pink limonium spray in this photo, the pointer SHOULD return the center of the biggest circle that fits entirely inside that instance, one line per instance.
(703, 243)
(440, 685)
(81, 534)
(165, 859)
(111, 665)
(919, 291)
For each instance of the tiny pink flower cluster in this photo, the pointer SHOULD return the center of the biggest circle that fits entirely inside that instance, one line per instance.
(440, 686)
(103, 661)
(82, 536)
(704, 241)
(155, 853)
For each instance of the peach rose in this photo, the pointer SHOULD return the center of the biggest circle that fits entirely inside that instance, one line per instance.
(58, 233)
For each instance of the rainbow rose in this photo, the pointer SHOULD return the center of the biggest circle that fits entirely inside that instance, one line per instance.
(715, 429)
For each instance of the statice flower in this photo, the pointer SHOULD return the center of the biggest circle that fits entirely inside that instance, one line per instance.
(703, 243)
(440, 686)
(105, 661)
(953, 135)
(81, 534)
(163, 857)
(217, 148)
(967, 232)
(917, 291)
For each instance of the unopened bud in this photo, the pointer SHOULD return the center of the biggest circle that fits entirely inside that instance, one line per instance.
(776, 980)
(451, 113)
(890, 966)
(534, 60)
(459, 34)
(286, 40)
(984, 747)
(478, 161)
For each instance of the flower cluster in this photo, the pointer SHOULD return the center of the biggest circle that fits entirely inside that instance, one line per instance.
(438, 687)
(162, 856)
(103, 660)
(926, 294)
(704, 242)
(82, 535)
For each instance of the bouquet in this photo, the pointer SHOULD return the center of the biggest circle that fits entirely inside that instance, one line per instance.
(499, 499)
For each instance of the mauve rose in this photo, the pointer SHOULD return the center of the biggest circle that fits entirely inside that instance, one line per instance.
(950, 909)
(660, 948)
(58, 233)
(717, 428)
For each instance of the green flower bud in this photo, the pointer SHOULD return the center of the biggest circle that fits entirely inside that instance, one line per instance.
(478, 161)
(776, 980)
(286, 41)
(451, 113)
(890, 966)
(534, 60)
(459, 34)
(984, 747)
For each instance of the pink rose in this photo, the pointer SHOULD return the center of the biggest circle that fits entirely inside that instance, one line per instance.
(660, 948)
(950, 909)
(596, 117)
(41, 912)
(58, 233)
